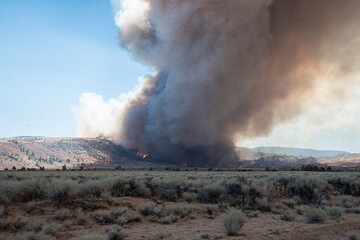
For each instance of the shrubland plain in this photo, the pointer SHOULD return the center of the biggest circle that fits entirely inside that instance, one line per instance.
(179, 205)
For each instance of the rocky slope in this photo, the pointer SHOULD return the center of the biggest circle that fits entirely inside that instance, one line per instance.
(33, 152)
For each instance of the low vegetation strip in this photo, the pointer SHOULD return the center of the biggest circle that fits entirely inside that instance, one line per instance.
(247, 190)
(166, 197)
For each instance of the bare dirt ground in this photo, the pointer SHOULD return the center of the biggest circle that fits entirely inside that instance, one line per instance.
(197, 225)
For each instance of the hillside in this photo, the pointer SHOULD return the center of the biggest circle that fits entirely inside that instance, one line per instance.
(298, 152)
(285, 158)
(345, 160)
(53, 153)
(33, 152)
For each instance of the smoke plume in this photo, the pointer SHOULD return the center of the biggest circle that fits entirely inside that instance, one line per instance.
(224, 70)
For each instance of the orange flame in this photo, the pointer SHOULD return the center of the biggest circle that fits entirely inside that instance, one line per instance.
(142, 155)
(240, 166)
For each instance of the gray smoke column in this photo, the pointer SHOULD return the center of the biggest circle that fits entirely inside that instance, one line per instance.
(223, 70)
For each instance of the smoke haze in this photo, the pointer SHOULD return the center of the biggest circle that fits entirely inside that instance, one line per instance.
(224, 71)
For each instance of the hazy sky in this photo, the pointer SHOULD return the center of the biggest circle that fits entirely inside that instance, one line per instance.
(52, 51)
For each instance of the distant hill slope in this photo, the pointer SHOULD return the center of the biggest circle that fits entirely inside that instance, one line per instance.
(32, 152)
(285, 158)
(344, 160)
(298, 152)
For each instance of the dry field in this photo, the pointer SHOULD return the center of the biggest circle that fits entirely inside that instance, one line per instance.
(179, 205)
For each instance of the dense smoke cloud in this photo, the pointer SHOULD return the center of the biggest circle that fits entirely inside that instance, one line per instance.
(223, 70)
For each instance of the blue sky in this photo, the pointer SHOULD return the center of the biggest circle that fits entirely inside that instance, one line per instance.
(51, 51)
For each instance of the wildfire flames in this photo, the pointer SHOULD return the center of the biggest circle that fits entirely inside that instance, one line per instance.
(142, 155)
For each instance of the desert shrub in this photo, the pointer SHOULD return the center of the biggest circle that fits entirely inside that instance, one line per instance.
(26, 190)
(77, 212)
(324, 203)
(149, 209)
(210, 210)
(90, 189)
(354, 210)
(52, 228)
(161, 235)
(232, 221)
(103, 217)
(62, 214)
(2, 211)
(61, 191)
(261, 204)
(118, 216)
(106, 194)
(334, 212)
(314, 215)
(121, 220)
(170, 189)
(222, 207)
(134, 187)
(309, 189)
(211, 194)
(237, 191)
(171, 218)
(168, 192)
(345, 201)
(300, 209)
(246, 194)
(255, 198)
(291, 203)
(180, 210)
(129, 187)
(253, 214)
(288, 216)
(352, 235)
(115, 233)
(277, 208)
(120, 211)
(189, 196)
(205, 236)
(346, 184)
(134, 217)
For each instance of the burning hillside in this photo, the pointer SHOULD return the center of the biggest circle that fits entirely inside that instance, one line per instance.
(51, 153)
